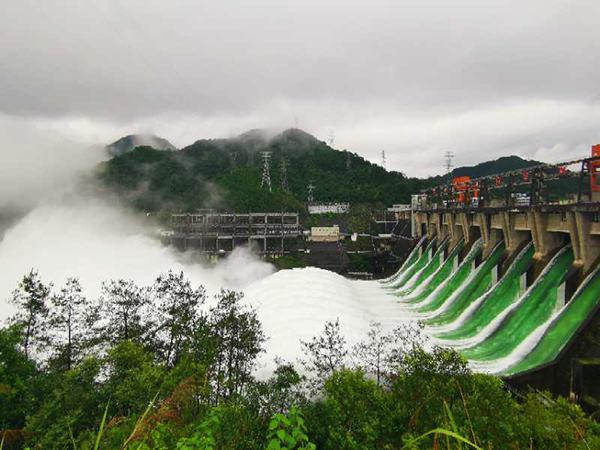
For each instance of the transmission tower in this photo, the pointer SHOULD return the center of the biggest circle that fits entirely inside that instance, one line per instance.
(284, 180)
(331, 138)
(266, 174)
(449, 155)
(383, 164)
(348, 160)
(311, 192)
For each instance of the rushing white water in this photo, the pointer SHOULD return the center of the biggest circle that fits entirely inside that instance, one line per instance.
(94, 241)
(293, 305)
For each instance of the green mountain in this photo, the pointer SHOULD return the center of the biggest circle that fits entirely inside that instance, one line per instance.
(227, 173)
(128, 143)
(503, 164)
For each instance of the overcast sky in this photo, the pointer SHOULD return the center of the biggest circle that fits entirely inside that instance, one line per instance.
(480, 78)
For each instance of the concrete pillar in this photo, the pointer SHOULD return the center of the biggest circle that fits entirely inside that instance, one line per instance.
(454, 231)
(574, 237)
(589, 245)
(544, 241)
(513, 238)
(420, 219)
(439, 231)
(489, 236)
(482, 220)
(466, 229)
(431, 228)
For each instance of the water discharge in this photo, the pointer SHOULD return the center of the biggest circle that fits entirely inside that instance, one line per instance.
(492, 318)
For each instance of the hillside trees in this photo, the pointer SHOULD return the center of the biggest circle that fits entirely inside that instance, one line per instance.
(71, 318)
(31, 299)
(124, 306)
(204, 393)
(178, 306)
(238, 339)
(226, 173)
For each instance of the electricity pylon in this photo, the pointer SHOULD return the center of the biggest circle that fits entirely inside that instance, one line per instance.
(266, 174)
(311, 192)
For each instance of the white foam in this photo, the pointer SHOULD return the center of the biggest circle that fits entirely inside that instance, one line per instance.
(293, 305)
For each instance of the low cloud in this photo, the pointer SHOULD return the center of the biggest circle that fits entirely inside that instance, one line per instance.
(96, 241)
(38, 163)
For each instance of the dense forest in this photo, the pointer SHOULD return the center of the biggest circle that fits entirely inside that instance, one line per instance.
(166, 367)
(226, 174)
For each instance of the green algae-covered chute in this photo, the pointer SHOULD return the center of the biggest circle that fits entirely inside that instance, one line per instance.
(503, 294)
(443, 292)
(480, 283)
(536, 306)
(410, 260)
(446, 269)
(419, 264)
(422, 276)
(563, 327)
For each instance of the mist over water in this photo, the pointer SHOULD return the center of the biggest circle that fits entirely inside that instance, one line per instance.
(94, 241)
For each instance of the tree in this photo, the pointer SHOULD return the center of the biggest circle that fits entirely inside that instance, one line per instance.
(31, 298)
(72, 405)
(178, 314)
(133, 377)
(405, 340)
(71, 320)
(280, 392)
(238, 338)
(326, 353)
(351, 415)
(123, 304)
(372, 355)
(16, 374)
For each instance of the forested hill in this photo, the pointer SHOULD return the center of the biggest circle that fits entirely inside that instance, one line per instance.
(226, 173)
(128, 143)
(503, 164)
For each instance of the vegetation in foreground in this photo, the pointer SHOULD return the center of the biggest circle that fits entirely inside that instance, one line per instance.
(163, 367)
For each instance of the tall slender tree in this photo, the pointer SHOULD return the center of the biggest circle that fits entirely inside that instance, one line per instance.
(71, 321)
(325, 354)
(178, 305)
(31, 299)
(238, 339)
(124, 312)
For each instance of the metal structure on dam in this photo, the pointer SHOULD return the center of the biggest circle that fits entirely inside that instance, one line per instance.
(509, 275)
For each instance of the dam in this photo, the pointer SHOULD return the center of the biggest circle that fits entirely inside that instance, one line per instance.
(513, 285)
